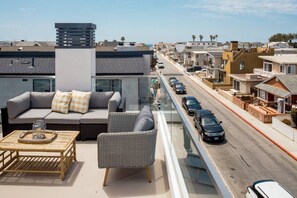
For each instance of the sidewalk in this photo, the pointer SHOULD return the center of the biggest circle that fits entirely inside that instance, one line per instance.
(284, 143)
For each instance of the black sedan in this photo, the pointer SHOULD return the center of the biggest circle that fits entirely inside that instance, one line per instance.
(172, 80)
(208, 126)
(190, 104)
(179, 88)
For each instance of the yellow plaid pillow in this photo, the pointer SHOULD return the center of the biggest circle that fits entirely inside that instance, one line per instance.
(80, 101)
(61, 102)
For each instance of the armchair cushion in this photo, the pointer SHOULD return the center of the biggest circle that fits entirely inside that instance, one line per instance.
(144, 120)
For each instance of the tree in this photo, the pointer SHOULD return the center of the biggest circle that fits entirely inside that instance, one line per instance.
(294, 115)
(123, 39)
(283, 37)
(193, 37)
(210, 36)
(200, 37)
(216, 37)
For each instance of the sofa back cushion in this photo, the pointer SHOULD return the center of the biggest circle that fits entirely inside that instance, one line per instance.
(42, 100)
(80, 101)
(61, 102)
(99, 100)
(18, 105)
(114, 102)
(145, 120)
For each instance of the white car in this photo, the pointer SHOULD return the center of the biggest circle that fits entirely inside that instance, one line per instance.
(267, 189)
(200, 71)
(160, 65)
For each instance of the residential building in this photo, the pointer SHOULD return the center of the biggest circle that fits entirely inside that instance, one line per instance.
(272, 65)
(279, 91)
(241, 61)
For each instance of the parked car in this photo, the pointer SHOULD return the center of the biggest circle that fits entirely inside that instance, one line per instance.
(208, 126)
(267, 189)
(172, 81)
(190, 104)
(179, 88)
(194, 68)
(160, 65)
(200, 71)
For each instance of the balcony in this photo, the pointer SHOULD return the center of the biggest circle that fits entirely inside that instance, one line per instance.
(263, 73)
(182, 167)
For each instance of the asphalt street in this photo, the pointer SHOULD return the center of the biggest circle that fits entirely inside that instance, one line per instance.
(246, 155)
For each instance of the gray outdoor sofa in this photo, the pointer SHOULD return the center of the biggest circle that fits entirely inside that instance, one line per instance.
(23, 110)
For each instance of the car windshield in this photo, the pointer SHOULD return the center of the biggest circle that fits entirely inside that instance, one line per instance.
(207, 121)
(192, 102)
(178, 86)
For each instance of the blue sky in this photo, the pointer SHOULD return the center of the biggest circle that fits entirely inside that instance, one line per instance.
(151, 21)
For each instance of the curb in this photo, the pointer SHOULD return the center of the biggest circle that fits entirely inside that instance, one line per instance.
(266, 136)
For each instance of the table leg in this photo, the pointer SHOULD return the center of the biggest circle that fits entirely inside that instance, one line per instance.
(62, 166)
(74, 150)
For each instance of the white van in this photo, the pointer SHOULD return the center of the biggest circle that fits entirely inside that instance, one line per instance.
(267, 189)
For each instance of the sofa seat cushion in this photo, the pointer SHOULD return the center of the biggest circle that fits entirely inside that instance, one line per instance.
(95, 116)
(61, 118)
(30, 116)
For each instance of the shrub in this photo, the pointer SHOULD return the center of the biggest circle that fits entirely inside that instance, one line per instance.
(287, 122)
(294, 115)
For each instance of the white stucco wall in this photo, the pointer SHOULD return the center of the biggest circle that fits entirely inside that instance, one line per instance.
(75, 68)
(130, 91)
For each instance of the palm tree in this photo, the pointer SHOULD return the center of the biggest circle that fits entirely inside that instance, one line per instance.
(210, 36)
(216, 37)
(201, 37)
(193, 37)
(123, 39)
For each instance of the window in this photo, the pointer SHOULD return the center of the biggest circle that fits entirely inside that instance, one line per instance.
(282, 69)
(44, 85)
(291, 69)
(267, 66)
(236, 85)
(103, 85)
(262, 94)
(241, 65)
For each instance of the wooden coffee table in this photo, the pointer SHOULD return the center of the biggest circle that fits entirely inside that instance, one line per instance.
(52, 158)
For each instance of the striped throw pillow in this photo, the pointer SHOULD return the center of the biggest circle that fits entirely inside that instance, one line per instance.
(80, 101)
(61, 102)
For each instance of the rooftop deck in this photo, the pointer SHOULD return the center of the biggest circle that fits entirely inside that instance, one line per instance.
(85, 179)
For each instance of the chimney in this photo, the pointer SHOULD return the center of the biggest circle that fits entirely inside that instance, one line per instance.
(33, 62)
(234, 45)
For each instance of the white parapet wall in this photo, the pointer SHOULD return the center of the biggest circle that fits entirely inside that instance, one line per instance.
(75, 69)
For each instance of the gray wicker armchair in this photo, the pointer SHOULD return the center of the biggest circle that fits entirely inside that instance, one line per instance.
(120, 147)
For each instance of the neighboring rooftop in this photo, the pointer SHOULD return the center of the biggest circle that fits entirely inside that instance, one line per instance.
(288, 59)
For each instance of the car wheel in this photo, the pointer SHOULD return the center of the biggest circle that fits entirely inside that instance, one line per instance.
(203, 137)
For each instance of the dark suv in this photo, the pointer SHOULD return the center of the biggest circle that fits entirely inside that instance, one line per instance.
(208, 126)
(194, 68)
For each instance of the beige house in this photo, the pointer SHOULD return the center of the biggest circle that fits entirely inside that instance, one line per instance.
(273, 65)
